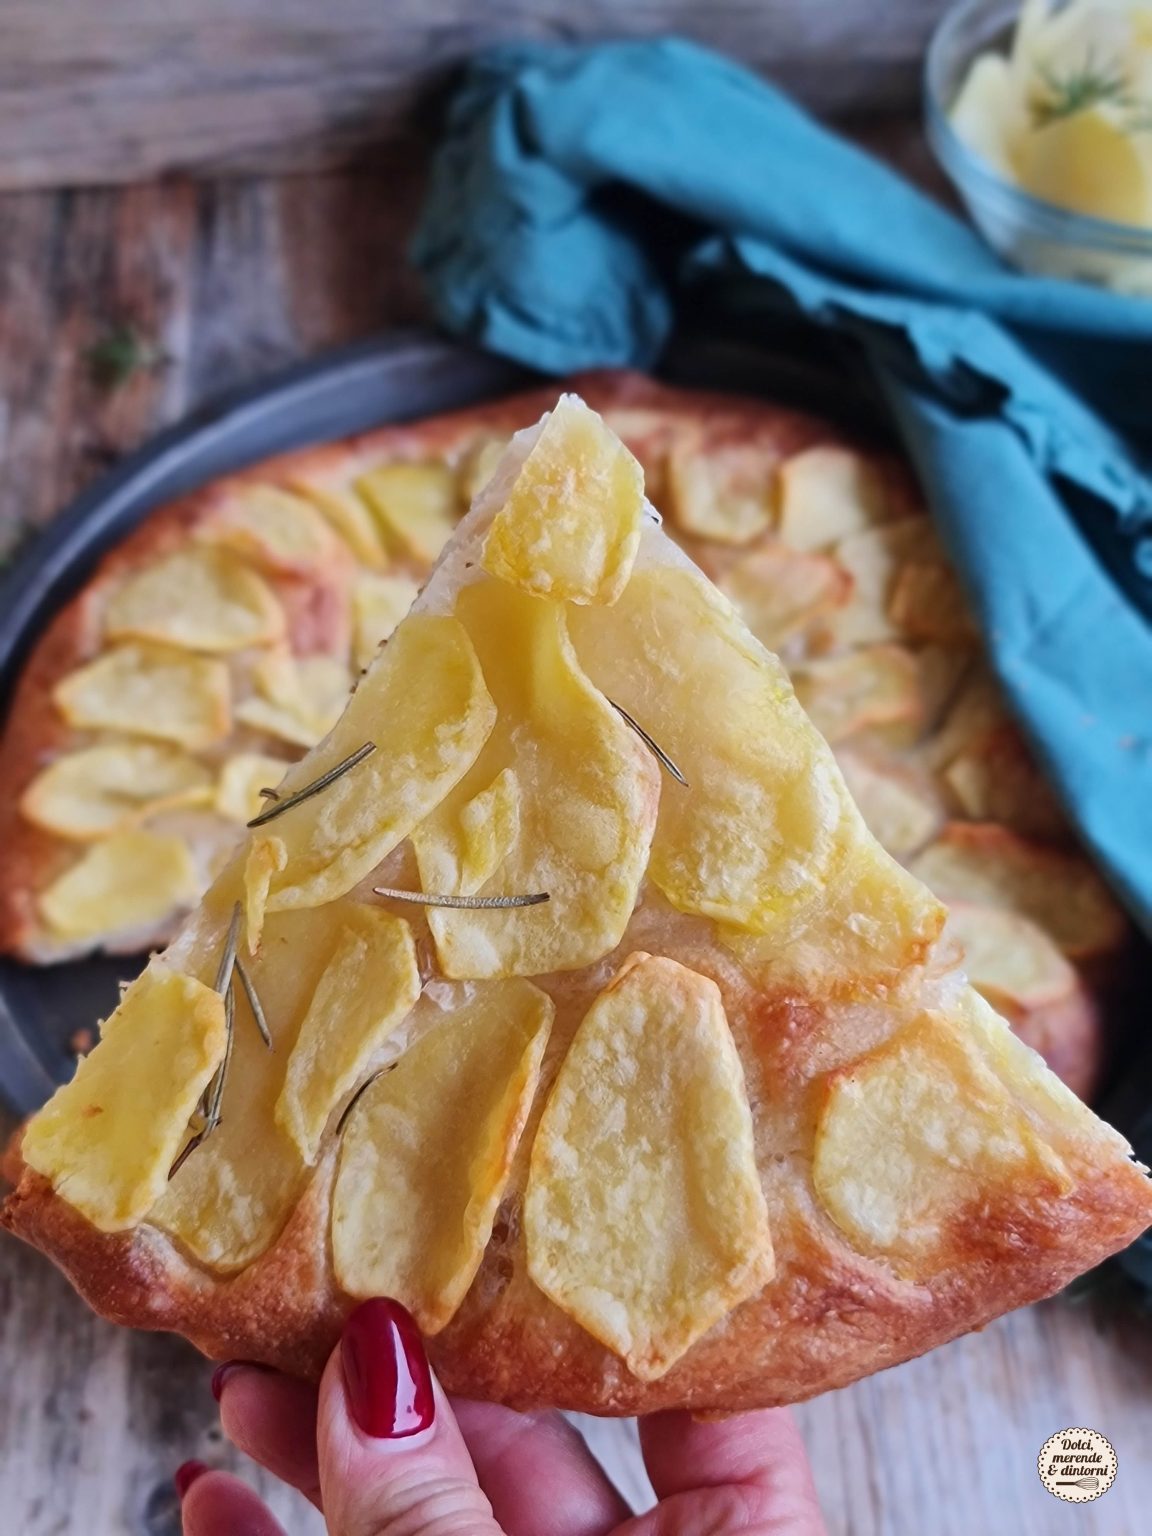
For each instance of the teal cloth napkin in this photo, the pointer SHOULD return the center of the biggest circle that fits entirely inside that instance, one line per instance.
(582, 199)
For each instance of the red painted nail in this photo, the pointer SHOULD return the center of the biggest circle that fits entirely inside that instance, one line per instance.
(386, 1375)
(187, 1474)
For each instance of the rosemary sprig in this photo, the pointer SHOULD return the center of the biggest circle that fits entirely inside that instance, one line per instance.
(316, 787)
(120, 353)
(358, 1095)
(656, 750)
(477, 903)
(254, 1002)
(1064, 95)
(213, 1095)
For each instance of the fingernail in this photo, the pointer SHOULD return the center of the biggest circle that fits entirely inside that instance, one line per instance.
(187, 1474)
(222, 1373)
(386, 1376)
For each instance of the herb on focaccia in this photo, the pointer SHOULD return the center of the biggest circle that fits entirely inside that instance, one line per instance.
(278, 806)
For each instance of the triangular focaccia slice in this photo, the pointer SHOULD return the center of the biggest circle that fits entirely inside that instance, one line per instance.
(562, 993)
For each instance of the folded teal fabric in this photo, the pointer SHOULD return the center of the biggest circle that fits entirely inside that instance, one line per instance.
(584, 197)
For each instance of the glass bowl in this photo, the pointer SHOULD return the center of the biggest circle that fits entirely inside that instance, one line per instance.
(1032, 234)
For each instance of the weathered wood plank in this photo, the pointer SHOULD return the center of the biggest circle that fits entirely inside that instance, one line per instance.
(130, 89)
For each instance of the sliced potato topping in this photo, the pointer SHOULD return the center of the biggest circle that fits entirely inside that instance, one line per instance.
(366, 990)
(873, 558)
(300, 698)
(417, 506)
(478, 465)
(873, 923)
(827, 493)
(88, 794)
(991, 866)
(570, 527)
(428, 1149)
(378, 605)
(996, 778)
(573, 819)
(424, 704)
(898, 808)
(267, 857)
(230, 1198)
(129, 880)
(275, 529)
(877, 685)
(918, 1137)
(351, 517)
(149, 690)
(721, 492)
(779, 592)
(199, 599)
(644, 1216)
(242, 778)
(107, 1139)
(754, 838)
(1008, 959)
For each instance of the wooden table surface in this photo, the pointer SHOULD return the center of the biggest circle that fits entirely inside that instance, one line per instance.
(229, 280)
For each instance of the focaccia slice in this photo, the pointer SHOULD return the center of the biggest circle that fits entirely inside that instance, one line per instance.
(736, 1133)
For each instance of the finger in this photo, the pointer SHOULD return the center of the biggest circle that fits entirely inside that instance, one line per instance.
(218, 1504)
(540, 1477)
(392, 1460)
(271, 1418)
(712, 1474)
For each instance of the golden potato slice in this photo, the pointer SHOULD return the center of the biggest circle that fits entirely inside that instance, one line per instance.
(88, 794)
(424, 703)
(644, 1216)
(991, 866)
(478, 464)
(721, 492)
(973, 710)
(900, 812)
(428, 1148)
(328, 489)
(575, 823)
(267, 857)
(300, 698)
(416, 504)
(778, 591)
(149, 690)
(130, 879)
(274, 529)
(367, 989)
(1090, 163)
(107, 1139)
(927, 602)
(242, 777)
(827, 493)
(1008, 959)
(876, 685)
(231, 1196)
(754, 838)
(873, 558)
(570, 527)
(995, 778)
(872, 923)
(917, 1137)
(199, 599)
(378, 605)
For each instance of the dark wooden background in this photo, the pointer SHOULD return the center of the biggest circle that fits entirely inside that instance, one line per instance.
(269, 157)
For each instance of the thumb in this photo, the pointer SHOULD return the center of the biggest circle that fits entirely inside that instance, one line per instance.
(392, 1461)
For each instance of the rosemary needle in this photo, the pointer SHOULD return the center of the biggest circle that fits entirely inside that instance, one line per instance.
(656, 750)
(359, 1094)
(278, 807)
(254, 1002)
(268, 794)
(479, 903)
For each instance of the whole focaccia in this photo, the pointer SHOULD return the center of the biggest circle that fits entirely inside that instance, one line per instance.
(562, 993)
(221, 639)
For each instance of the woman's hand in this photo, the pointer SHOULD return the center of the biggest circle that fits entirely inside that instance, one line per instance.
(379, 1449)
